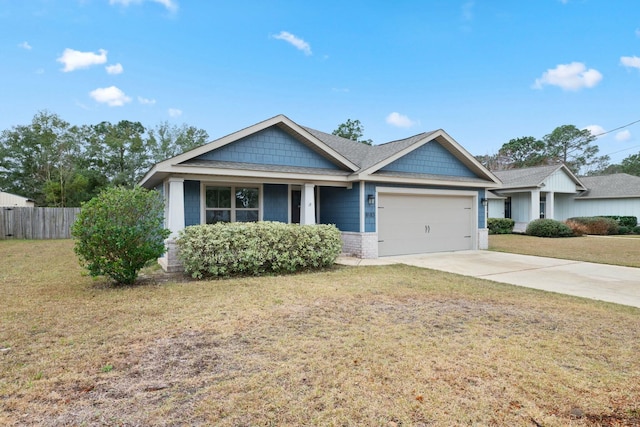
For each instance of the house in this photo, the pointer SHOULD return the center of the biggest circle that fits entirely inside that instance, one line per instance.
(420, 194)
(12, 200)
(555, 192)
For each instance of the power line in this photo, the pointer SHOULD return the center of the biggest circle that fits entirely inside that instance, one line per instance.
(618, 128)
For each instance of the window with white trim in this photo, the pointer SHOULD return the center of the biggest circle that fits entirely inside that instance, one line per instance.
(220, 206)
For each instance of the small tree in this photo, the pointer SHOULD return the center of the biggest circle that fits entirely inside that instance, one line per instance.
(119, 231)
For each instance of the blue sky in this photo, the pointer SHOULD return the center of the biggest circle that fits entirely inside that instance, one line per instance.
(485, 71)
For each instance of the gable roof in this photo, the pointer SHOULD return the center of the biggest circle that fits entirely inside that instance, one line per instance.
(619, 185)
(533, 177)
(355, 159)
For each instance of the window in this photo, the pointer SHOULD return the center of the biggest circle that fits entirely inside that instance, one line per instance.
(507, 208)
(220, 206)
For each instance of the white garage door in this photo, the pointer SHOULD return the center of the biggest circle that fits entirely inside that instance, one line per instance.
(413, 223)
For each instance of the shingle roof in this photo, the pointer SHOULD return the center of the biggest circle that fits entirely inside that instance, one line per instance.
(525, 177)
(610, 186)
(365, 155)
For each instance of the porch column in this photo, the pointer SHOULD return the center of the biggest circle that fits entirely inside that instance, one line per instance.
(534, 212)
(175, 216)
(549, 205)
(307, 205)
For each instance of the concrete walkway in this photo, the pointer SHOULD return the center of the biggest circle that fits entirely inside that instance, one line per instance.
(603, 282)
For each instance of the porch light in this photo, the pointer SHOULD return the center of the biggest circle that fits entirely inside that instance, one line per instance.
(371, 199)
(484, 202)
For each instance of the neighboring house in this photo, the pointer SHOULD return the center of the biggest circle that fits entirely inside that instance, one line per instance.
(420, 194)
(555, 192)
(11, 200)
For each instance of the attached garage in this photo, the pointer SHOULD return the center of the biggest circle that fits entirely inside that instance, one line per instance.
(421, 221)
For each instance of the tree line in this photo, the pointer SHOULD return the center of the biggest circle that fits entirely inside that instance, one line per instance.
(565, 144)
(58, 164)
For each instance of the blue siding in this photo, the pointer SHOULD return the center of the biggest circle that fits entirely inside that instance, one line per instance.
(340, 206)
(481, 215)
(191, 203)
(431, 158)
(275, 202)
(270, 146)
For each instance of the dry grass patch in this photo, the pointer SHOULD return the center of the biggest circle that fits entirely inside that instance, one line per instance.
(614, 250)
(387, 346)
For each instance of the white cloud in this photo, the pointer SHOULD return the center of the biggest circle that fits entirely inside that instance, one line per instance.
(298, 43)
(399, 120)
(174, 112)
(114, 69)
(573, 76)
(637, 32)
(112, 96)
(171, 5)
(630, 61)
(74, 59)
(595, 129)
(145, 101)
(623, 135)
(25, 45)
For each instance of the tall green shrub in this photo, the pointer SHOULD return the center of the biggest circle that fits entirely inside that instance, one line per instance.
(119, 231)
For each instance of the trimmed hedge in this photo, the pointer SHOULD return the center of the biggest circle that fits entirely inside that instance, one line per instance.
(500, 225)
(255, 248)
(549, 228)
(624, 221)
(598, 225)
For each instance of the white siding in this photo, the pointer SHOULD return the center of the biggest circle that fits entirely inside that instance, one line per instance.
(559, 182)
(496, 208)
(567, 207)
(520, 206)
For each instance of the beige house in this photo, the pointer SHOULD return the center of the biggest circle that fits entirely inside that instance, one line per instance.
(11, 200)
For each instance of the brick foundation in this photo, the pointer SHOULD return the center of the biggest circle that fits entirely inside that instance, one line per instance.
(360, 245)
(169, 261)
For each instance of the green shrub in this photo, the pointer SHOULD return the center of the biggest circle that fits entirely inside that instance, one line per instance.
(624, 230)
(598, 225)
(636, 229)
(624, 221)
(500, 225)
(548, 228)
(227, 249)
(119, 231)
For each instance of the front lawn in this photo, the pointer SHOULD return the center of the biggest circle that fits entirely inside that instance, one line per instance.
(615, 250)
(375, 346)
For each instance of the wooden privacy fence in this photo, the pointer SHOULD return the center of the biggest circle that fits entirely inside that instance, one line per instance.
(36, 223)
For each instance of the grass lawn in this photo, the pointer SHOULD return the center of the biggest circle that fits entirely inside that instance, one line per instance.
(375, 346)
(615, 250)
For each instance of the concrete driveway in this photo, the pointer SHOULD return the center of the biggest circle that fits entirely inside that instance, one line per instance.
(610, 283)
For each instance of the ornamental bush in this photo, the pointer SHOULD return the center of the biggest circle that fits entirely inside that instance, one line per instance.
(548, 228)
(500, 225)
(624, 221)
(598, 225)
(245, 248)
(119, 231)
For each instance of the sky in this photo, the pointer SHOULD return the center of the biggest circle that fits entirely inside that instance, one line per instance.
(485, 71)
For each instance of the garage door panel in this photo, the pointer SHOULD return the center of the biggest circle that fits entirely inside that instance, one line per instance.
(420, 223)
